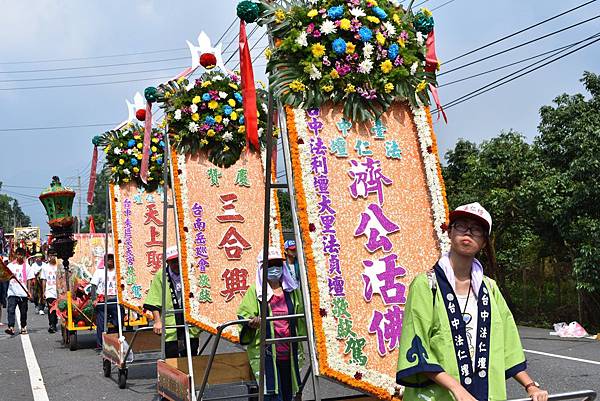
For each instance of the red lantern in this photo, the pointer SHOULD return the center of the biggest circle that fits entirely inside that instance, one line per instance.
(208, 60)
(140, 114)
(81, 323)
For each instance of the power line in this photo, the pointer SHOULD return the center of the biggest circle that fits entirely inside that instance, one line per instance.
(519, 31)
(520, 45)
(521, 72)
(553, 52)
(113, 55)
(85, 84)
(442, 5)
(57, 127)
(20, 186)
(249, 36)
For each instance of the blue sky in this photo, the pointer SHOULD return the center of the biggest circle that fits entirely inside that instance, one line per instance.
(59, 29)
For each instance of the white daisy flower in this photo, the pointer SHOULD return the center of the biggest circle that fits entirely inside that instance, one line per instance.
(225, 122)
(357, 12)
(313, 2)
(126, 171)
(222, 95)
(129, 151)
(391, 29)
(365, 66)
(315, 74)
(228, 136)
(178, 114)
(368, 50)
(420, 39)
(328, 27)
(193, 127)
(261, 131)
(117, 151)
(302, 40)
(194, 108)
(413, 68)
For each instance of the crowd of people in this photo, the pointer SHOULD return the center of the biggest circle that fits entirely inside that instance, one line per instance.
(459, 340)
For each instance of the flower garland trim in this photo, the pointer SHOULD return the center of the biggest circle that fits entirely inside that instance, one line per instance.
(439, 165)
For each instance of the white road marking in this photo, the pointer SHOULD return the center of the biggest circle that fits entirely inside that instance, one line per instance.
(38, 388)
(570, 358)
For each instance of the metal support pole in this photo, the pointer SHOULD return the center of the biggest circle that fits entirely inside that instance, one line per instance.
(266, 220)
(314, 366)
(164, 253)
(105, 323)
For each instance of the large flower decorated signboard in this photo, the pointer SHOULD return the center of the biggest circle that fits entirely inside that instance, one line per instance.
(137, 221)
(219, 185)
(371, 205)
(364, 54)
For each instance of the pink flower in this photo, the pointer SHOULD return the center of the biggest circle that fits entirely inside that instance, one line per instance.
(326, 61)
(310, 28)
(316, 33)
(404, 35)
(399, 61)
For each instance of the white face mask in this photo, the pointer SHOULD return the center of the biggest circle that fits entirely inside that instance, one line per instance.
(274, 273)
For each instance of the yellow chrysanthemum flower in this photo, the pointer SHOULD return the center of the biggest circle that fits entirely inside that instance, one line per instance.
(388, 88)
(373, 3)
(421, 86)
(205, 84)
(168, 94)
(427, 12)
(195, 117)
(334, 74)
(297, 86)
(136, 170)
(268, 53)
(312, 13)
(318, 50)
(126, 179)
(350, 47)
(241, 129)
(113, 169)
(380, 38)
(218, 118)
(139, 156)
(210, 133)
(196, 99)
(121, 162)
(402, 43)
(373, 19)
(180, 80)
(279, 16)
(213, 104)
(140, 145)
(350, 88)
(327, 88)
(233, 116)
(226, 148)
(155, 140)
(345, 24)
(234, 86)
(396, 19)
(204, 142)
(386, 66)
(231, 102)
(136, 137)
(154, 149)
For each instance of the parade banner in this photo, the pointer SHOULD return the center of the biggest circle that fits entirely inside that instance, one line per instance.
(220, 216)
(371, 205)
(137, 220)
(88, 254)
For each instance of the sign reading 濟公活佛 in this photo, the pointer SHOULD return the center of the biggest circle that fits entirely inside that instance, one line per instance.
(371, 205)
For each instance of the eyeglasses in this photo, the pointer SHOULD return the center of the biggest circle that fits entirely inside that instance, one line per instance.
(462, 228)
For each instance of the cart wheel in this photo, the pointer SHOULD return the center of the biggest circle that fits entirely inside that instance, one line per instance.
(106, 367)
(122, 378)
(73, 341)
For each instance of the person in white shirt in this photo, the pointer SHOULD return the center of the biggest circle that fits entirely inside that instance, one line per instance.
(3, 291)
(17, 293)
(36, 286)
(98, 286)
(48, 278)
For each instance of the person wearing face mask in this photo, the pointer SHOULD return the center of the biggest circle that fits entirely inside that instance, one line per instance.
(291, 259)
(459, 340)
(282, 359)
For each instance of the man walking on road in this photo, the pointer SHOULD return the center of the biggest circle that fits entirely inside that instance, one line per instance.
(48, 278)
(17, 295)
(110, 297)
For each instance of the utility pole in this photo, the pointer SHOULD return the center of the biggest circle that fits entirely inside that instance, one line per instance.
(79, 196)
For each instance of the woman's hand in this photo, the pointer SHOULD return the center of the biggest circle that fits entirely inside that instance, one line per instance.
(537, 394)
(254, 323)
(157, 327)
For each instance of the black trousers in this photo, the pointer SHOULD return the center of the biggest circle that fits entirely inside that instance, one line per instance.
(52, 319)
(172, 348)
(22, 303)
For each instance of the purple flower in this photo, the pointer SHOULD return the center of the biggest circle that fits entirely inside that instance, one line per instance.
(404, 35)
(326, 61)
(342, 69)
(310, 28)
(316, 33)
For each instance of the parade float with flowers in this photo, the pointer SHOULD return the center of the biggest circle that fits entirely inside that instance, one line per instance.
(355, 78)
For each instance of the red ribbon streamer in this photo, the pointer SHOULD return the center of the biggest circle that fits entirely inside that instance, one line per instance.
(436, 98)
(146, 148)
(92, 225)
(248, 89)
(92, 183)
(431, 60)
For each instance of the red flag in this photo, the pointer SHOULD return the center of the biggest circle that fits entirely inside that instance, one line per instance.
(146, 148)
(248, 89)
(92, 225)
(431, 60)
(92, 184)
(436, 99)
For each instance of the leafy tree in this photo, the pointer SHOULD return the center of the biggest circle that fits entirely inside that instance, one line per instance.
(98, 208)
(11, 214)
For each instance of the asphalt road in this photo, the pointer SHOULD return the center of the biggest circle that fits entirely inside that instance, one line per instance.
(77, 375)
